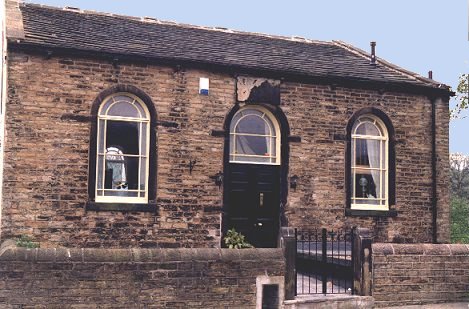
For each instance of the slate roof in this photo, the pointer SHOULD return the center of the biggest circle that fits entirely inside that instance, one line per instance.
(115, 34)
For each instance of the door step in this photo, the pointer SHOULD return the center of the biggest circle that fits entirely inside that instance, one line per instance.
(330, 301)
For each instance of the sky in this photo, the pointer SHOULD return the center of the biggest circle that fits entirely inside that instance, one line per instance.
(418, 35)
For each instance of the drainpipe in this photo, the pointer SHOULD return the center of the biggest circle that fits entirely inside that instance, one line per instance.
(434, 186)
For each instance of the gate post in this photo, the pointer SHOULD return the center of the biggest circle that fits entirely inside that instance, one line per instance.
(362, 266)
(288, 244)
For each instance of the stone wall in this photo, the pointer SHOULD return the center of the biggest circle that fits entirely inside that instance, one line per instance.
(419, 274)
(46, 155)
(135, 278)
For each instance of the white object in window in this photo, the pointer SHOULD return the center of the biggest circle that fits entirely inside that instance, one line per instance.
(122, 150)
(369, 164)
(254, 137)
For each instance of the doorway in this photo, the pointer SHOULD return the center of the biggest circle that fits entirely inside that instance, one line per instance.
(252, 176)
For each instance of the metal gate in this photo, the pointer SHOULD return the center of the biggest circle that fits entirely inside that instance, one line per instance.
(324, 261)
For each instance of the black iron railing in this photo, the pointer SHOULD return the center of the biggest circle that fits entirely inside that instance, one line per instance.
(324, 261)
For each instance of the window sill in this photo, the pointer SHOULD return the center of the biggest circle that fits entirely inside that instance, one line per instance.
(147, 207)
(370, 213)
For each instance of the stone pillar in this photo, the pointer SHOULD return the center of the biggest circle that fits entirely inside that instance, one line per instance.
(288, 244)
(362, 266)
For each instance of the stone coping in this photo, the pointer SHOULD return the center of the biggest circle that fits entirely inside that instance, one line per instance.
(9, 252)
(420, 249)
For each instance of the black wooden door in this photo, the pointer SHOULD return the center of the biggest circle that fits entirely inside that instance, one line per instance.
(254, 202)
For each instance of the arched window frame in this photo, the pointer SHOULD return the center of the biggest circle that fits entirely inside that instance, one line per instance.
(274, 133)
(372, 210)
(149, 205)
(121, 193)
(380, 198)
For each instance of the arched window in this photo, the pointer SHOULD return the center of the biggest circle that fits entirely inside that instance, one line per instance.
(122, 156)
(369, 164)
(254, 137)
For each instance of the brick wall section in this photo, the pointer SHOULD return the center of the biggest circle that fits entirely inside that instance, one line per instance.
(47, 169)
(443, 168)
(405, 274)
(319, 115)
(46, 156)
(134, 278)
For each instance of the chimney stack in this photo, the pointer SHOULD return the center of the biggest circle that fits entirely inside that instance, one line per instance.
(373, 53)
(430, 74)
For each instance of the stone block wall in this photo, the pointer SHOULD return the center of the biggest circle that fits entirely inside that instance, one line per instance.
(405, 274)
(47, 144)
(135, 278)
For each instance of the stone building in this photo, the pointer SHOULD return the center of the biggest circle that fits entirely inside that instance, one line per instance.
(134, 132)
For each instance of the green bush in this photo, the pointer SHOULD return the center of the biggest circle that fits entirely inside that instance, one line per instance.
(235, 240)
(26, 242)
(459, 220)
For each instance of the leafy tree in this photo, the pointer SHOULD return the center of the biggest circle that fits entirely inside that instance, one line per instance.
(459, 169)
(462, 97)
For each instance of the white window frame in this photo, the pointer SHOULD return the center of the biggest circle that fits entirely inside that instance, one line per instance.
(275, 159)
(104, 117)
(383, 199)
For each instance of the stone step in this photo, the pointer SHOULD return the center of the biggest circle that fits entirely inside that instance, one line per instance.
(330, 301)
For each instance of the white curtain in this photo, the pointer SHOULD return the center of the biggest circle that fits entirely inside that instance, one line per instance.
(373, 149)
(242, 145)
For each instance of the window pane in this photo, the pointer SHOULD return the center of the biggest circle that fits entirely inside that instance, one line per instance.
(273, 148)
(242, 114)
(141, 110)
(361, 153)
(143, 138)
(105, 106)
(366, 186)
(373, 153)
(252, 145)
(376, 175)
(123, 109)
(232, 144)
(100, 172)
(132, 172)
(143, 175)
(122, 135)
(384, 156)
(253, 125)
(367, 202)
(367, 128)
(122, 193)
(383, 184)
(101, 125)
(251, 159)
(367, 153)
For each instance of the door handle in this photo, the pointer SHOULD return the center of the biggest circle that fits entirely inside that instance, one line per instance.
(261, 199)
(258, 224)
